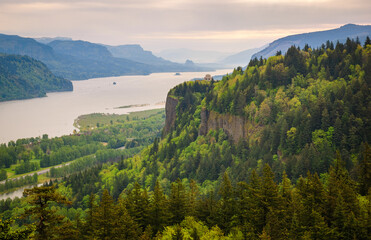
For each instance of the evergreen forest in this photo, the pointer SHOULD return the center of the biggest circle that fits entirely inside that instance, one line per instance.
(23, 77)
(302, 169)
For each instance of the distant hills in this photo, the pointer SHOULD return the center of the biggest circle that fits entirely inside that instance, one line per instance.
(316, 39)
(135, 52)
(199, 56)
(23, 77)
(77, 60)
(241, 58)
(46, 40)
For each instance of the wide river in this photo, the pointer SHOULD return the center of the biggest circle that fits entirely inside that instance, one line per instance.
(54, 115)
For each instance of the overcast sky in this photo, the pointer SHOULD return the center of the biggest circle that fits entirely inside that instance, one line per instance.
(222, 25)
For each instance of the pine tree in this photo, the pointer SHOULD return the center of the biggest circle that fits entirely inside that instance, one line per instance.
(137, 203)
(124, 225)
(104, 217)
(89, 225)
(6, 233)
(364, 170)
(227, 204)
(178, 202)
(46, 219)
(159, 213)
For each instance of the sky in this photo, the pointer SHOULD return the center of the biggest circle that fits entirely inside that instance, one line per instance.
(217, 25)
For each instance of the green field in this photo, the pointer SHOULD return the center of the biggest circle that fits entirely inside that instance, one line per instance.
(94, 120)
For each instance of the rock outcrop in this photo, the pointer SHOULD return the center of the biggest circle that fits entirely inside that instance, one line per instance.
(234, 126)
(170, 110)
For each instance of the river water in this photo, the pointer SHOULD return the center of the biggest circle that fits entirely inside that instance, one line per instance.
(16, 193)
(55, 114)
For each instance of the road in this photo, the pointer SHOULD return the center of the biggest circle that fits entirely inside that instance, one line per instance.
(38, 172)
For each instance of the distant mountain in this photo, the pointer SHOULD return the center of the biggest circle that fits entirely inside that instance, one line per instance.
(80, 49)
(182, 54)
(316, 39)
(241, 58)
(83, 60)
(80, 66)
(12, 44)
(46, 40)
(136, 53)
(24, 77)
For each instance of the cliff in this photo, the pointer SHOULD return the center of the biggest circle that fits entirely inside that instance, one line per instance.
(234, 126)
(170, 110)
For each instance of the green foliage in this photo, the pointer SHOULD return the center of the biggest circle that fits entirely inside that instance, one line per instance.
(301, 173)
(23, 77)
(6, 233)
(47, 222)
(81, 150)
(19, 182)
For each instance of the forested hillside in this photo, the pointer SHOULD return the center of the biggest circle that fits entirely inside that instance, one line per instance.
(78, 60)
(316, 39)
(277, 151)
(23, 77)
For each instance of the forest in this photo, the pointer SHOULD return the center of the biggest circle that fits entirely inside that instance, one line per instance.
(23, 77)
(77, 151)
(303, 171)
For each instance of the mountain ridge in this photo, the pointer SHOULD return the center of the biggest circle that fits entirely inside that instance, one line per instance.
(79, 59)
(315, 39)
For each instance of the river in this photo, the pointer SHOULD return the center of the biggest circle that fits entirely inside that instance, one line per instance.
(54, 115)
(16, 193)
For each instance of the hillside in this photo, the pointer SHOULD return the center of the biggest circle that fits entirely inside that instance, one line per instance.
(80, 49)
(77, 60)
(136, 53)
(12, 44)
(23, 77)
(46, 40)
(84, 63)
(241, 58)
(316, 39)
(277, 151)
(200, 56)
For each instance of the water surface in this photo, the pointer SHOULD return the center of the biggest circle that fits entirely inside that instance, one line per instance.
(55, 114)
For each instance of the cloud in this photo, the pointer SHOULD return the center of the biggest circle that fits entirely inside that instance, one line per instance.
(233, 35)
(159, 23)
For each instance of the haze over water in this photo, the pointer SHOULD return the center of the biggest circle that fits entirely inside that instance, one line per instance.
(55, 114)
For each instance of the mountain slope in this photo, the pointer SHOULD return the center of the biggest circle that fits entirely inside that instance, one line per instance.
(241, 58)
(78, 60)
(136, 53)
(316, 39)
(183, 54)
(12, 44)
(80, 49)
(46, 40)
(83, 64)
(23, 77)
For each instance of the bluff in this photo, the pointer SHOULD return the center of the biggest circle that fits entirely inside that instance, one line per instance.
(170, 110)
(234, 126)
(295, 112)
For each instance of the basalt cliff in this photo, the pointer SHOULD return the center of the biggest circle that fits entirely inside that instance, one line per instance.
(236, 127)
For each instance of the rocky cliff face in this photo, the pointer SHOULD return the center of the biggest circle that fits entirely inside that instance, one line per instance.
(170, 110)
(234, 126)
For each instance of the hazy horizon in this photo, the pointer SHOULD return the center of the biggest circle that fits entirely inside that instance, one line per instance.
(161, 25)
